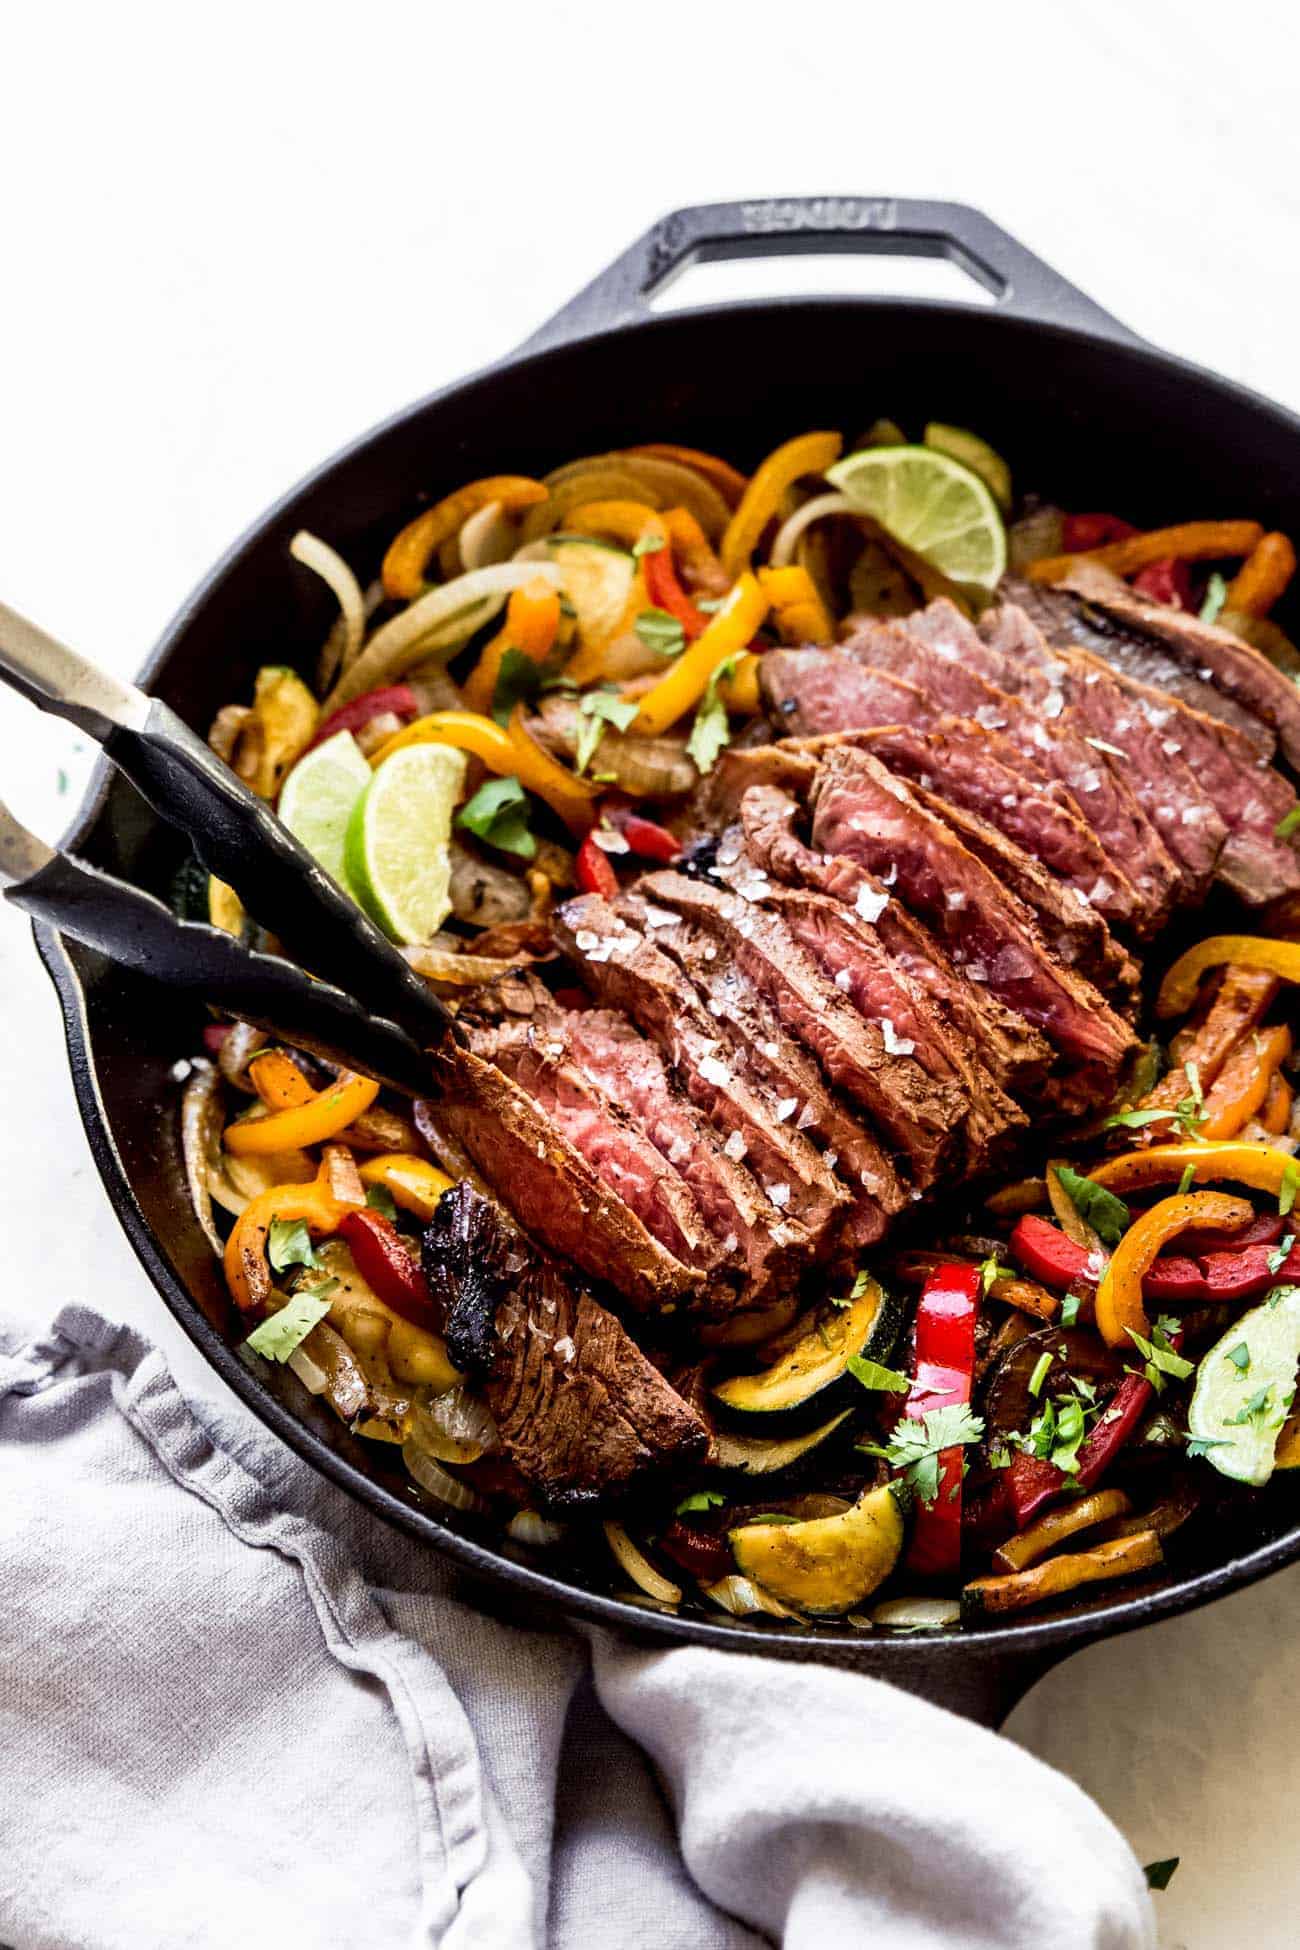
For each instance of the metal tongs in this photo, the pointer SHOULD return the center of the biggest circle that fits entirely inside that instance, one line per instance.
(380, 1017)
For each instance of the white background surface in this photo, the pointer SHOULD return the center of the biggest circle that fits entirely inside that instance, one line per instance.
(233, 238)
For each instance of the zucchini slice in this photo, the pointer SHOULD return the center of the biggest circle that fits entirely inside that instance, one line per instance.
(1244, 1389)
(759, 1455)
(598, 580)
(829, 1564)
(817, 1354)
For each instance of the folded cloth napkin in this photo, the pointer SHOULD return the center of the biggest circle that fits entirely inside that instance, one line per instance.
(235, 1710)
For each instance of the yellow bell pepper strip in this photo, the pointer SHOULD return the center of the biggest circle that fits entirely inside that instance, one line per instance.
(408, 554)
(797, 608)
(811, 453)
(574, 799)
(1242, 1085)
(532, 621)
(415, 1184)
(729, 632)
(282, 725)
(1261, 1166)
(1178, 990)
(325, 1113)
(244, 1261)
(728, 480)
(1119, 1296)
(739, 692)
(694, 552)
(506, 754)
(278, 1081)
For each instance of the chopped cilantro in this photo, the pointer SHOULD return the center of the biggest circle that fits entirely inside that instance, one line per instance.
(916, 1445)
(282, 1332)
(1187, 1180)
(772, 1516)
(1256, 1409)
(1276, 1295)
(699, 1500)
(1159, 1358)
(1287, 824)
(1201, 1445)
(1107, 1215)
(1239, 1356)
(498, 814)
(1069, 1309)
(710, 731)
(649, 544)
(1159, 1875)
(380, 1199)
(62, 781)
(1071, 1424)
(1042, 1368)
(660, 632)
(595, 711)
(1216, 590)
(1290, 1184)
(1279, 1253)
(519, 681)
(872, 1375)
(990, 1269)
(288, 1243)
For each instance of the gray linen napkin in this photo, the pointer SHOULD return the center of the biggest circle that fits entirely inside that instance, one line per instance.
(235, 1710)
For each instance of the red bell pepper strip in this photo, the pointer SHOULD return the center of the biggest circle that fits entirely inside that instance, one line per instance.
(704, 1554)
(592, 870)
(1265, 1230)
(1173, 1278)
(666, 592)
(399, 699)
(1166, 581)
(645, 837)
(1080, 532)
(385, 1264)
(1048, 1256)
(943, 1373)
(214, 1035)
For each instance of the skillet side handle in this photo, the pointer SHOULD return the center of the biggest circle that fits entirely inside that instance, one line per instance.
(984, 1687)
(792, 226)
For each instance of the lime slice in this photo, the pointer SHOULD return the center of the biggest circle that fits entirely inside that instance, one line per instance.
(396, 855)
(1244, 1387)
(930, 503)
(967, 447)
(318, 796)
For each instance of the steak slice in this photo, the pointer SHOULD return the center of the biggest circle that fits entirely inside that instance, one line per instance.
(1072, 929)
(533, 1050)
(553, 1191)
(1015, 1055)
(812, 692)
(1166, 788)
(625, 971)
(862, 810)
(716, 803)
(1069, 619)
(581, 1412)
(1057, 745)
(782, 1071)
(903, 1102)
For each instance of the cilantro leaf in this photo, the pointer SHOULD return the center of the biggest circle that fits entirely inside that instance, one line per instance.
(710, 731)
(1159, 1875)
(1287, 824)
(1255, 1410)
(872, 1375)
(990, 1270)
(1186, 1180)
(519, 681)
(1069, 1309)
(282, 1332)
(1042, 1368)
(1201, 1445)
(699, 1500)
(649, 544)
(595, 711)
(917, 1444)
(498, 814)
(288, 1243)
(1135, 1120)
(1280, 1253)
(1239, 1357)
(1071, 1423)
(1107, 1215)
(660, 632)
(380, 1199)
(1216, 590)
(1159, 1358)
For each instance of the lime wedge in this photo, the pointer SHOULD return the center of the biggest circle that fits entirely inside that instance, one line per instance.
(396, 855)
(1244, 1387)
(930, 503)
(967, 447)
(317, 798)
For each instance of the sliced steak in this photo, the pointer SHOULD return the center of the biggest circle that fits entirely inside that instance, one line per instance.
(1015, 1054)
(904, 1103)
(811, 692)
(553, 1191)
(581, 1412)
(863, 810)
(1055, 743)
(716, 803)
(625, 971)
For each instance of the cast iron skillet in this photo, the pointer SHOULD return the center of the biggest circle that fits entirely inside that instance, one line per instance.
(1082, 410)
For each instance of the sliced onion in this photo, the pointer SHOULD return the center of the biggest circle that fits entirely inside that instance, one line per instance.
(648, 768)
(742, 1597)
(329, 565)
(916, 1614)
(673, 484)
(821, 505)
(236, 1053)
(535, 551)
(454, 1427)
(487, 537)
(225, 729)
(432, 1477)
(440, 620)
(527, 1527)
(347, 1385)
(639, 1568)
(439, 965)
(201, 1121)
(250, 1176)
(482, 893)
(314, 1379)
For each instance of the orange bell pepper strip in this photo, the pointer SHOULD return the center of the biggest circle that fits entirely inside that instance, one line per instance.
(244, 1261)
(739, 692)
(1276, 1114)
(810, 453)
(728, 480)
(408, 554)
(532, 621)
(506, 754)
(278, 1081)
(694, 552)
(797, 608)
(728, 633)
(325, 1113)
(1242, 1086)
(1178, 990)
(415, 1184)
(1261, 1166)
(1262, 578)
(1188, 541)
(1120, 1311)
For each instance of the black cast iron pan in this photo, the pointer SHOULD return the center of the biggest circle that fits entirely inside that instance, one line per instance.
(1083, 411)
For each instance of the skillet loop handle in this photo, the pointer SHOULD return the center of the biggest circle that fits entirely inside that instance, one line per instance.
(786, 226)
